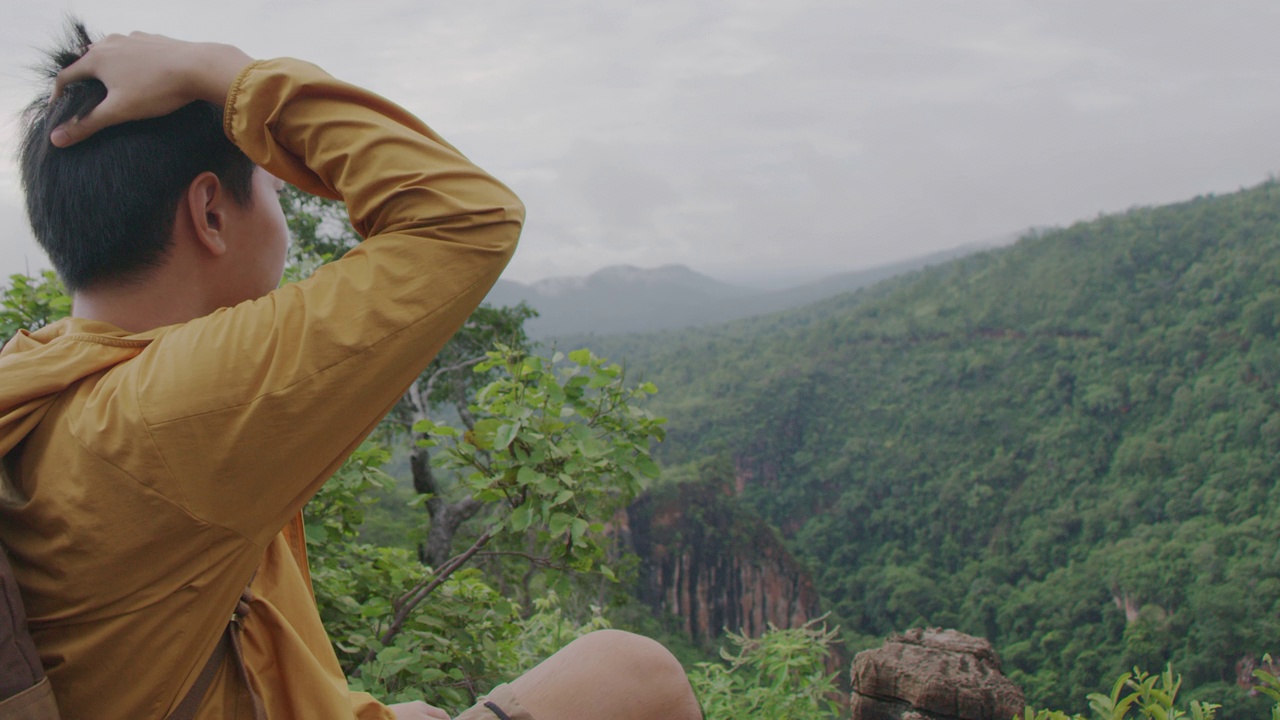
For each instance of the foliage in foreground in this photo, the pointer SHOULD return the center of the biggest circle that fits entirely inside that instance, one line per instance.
(31, 303)
(557, 447)
(780, 675)
(466, 640)
(1154, 697)
(551, 450)
(1150, 696)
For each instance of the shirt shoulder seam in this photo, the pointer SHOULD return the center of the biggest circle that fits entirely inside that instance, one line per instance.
(183, 506)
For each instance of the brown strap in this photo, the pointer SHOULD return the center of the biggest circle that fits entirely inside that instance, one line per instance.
(186, 709)
(497, 711)
(34, 703)
(233, 632)
(20, 666)
(230, 643)
(295, 535)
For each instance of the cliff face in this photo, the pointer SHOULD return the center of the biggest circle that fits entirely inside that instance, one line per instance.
(714, 564)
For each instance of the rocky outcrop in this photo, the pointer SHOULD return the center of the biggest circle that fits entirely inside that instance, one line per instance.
(1245, 668)
(715, 565)
(933, 675)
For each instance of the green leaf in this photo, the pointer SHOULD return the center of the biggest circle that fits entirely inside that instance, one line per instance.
(521, 518)
(430, 675)
(527, 475)
(504, 435)
(560, 522)
(647, 466)
(548, 485)
(483, 433)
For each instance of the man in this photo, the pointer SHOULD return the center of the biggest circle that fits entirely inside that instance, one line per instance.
(156, 443)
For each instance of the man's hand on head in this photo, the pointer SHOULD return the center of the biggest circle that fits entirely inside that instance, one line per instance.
(147, 76)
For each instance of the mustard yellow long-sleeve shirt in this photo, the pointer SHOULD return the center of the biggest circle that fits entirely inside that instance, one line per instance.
(148, 476)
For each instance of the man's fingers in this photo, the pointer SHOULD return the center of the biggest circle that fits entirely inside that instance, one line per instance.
(77, 129)
(77, 71)
(64, 135)
(146, 76)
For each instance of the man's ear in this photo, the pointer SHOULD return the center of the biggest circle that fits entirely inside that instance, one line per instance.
(205, 204)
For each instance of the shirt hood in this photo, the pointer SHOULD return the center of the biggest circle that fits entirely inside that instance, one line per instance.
(36, 366)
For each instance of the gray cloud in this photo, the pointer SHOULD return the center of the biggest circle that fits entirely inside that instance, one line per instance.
(749, 138)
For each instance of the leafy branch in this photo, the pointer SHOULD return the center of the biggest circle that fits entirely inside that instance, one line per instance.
(556, 444)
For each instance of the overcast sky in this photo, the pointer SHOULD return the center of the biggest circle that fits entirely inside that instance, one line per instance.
(777, 139)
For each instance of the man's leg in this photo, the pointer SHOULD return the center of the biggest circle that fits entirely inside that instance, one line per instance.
(608, 675)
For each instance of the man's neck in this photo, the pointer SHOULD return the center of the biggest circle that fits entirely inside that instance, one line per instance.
(139, 308)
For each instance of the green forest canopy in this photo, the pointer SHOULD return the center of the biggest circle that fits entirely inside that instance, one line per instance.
(1068, 446)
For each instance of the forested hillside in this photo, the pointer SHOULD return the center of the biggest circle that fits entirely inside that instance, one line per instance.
(1069, 446)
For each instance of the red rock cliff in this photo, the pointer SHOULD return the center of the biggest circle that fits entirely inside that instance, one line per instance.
(714, 564)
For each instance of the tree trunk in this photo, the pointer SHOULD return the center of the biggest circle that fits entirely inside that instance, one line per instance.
(446, 517)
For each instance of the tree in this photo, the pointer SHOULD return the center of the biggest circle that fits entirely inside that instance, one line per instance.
(31, 303)
(450, 383)
(555, 446)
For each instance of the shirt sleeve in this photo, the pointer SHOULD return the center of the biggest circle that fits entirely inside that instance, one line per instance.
(251, 408)
(366, 707)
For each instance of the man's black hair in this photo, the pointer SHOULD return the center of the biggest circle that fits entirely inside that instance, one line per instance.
(103, 209)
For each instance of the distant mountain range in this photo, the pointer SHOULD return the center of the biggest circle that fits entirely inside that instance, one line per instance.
(626, 299)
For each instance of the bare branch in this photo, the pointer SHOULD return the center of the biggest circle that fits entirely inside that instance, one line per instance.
(418, 401)
(467, 508)
(465, 414)
(435, 376)
(534, 560)
(407, 603)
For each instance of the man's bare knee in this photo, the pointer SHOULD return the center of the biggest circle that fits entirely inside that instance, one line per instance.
(636, 652)
(625, 676)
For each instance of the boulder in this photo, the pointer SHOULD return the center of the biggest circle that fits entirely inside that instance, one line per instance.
(933, 674)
